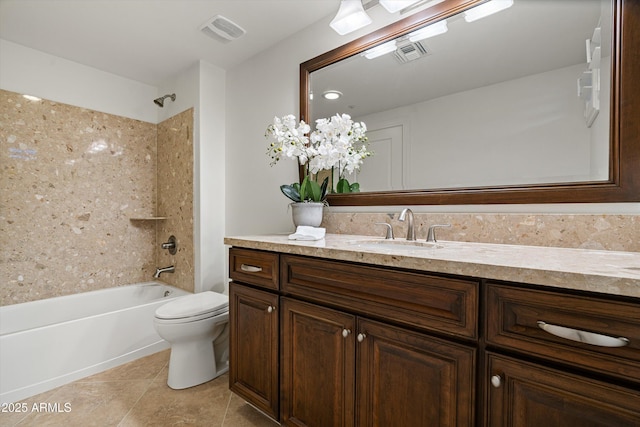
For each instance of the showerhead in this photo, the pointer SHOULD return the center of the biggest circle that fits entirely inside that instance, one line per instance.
(160, 101)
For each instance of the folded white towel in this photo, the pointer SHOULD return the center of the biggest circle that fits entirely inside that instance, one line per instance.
(304, 232)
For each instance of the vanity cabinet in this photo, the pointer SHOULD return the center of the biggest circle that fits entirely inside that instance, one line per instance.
(586, 366)
(321, 342)
(254, 332)
(339, 369)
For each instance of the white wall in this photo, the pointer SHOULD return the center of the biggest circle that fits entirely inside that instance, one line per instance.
(28, 71)
(509, 136)
(209, 168)
(257, 90)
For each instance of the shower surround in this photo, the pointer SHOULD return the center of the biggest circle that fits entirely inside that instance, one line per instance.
(71, 180)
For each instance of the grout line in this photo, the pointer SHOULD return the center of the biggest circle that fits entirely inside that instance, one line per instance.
(226, 411)
(153, 380)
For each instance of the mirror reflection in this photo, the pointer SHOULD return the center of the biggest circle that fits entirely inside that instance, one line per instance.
(517, 97)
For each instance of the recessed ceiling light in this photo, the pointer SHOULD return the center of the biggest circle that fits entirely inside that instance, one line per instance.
(332, 94)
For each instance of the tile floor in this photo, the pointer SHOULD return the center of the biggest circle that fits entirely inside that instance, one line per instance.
(136, 394)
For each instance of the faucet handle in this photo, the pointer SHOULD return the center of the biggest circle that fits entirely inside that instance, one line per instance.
(431, 234)
(389, 235)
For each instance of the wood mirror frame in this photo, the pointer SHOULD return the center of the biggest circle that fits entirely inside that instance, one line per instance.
(623, 184)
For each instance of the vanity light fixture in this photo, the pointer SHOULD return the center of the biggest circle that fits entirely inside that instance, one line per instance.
(350, 17)
(383, 49)
(486, 9)
(432, 30)
(394, 6)
(332, 94)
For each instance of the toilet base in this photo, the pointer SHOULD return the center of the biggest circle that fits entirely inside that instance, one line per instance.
(192, 364)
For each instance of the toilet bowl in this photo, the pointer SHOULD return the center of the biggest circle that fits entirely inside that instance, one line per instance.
(197, 328)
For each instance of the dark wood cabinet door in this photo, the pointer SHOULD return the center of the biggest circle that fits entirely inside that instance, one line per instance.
(410, 379)
(253, 347)
(522, 394)
(318, 357)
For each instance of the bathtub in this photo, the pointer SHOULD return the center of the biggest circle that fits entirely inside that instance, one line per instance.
(45, 344)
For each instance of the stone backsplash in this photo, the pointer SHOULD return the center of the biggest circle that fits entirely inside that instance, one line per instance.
(588, 231)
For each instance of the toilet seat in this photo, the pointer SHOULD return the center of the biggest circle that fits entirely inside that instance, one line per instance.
(194, 307)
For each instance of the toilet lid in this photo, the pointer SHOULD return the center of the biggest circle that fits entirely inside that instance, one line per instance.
(193, 305)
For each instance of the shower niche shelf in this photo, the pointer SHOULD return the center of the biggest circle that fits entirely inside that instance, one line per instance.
(148, 218)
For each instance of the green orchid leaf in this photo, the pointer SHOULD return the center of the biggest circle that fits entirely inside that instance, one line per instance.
(343, 186)
(324, 188)
(291, 191)
(355, 187)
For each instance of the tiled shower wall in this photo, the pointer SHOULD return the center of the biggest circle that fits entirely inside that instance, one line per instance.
(70, 181)
(175, 198)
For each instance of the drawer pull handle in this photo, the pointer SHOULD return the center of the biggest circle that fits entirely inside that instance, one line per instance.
(270, 309)
(250, 268)
(361, 337)
(583, 336)
(346, 332)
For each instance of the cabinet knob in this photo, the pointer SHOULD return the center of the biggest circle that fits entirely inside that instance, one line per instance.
(361, 337)
(496, 381)
(346, 332)
(270, 309)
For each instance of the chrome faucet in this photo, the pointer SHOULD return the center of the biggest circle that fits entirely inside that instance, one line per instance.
(431, 234)
(389, 235)
(411, 232)
(159, 271)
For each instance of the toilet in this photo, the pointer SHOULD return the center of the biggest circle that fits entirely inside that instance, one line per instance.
(197, 327)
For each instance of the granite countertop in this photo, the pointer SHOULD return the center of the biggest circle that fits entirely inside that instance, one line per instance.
(607, 272)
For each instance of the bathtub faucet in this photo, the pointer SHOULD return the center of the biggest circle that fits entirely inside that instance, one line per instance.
(159, 271)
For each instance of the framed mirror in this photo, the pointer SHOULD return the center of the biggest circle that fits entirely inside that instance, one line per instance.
(535, 104)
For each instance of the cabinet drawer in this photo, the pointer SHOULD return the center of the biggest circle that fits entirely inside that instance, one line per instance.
(600, 335)
(444, 305)
(254, 267)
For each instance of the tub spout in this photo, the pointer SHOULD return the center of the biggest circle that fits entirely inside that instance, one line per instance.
(159, 271)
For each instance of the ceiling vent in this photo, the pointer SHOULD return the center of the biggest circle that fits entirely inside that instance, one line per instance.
(223, 29)
(410, 51)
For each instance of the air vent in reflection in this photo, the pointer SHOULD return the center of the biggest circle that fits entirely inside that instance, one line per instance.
(411, 51)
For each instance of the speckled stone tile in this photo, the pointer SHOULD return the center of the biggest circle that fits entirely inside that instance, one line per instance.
(71, 179)
(586, 231)
(175, 198)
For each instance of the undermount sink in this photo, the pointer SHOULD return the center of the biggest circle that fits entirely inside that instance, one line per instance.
(398, 244)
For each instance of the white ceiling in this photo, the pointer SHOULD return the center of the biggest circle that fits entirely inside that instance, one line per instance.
(152, 40)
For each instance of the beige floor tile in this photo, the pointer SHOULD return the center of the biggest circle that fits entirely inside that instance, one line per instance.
(141, 369)
(136, 394)
(203, 405)
(16, 413)
(100, 404)
(241, 414)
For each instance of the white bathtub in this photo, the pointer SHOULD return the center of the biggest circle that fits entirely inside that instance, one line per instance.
(48, 343)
